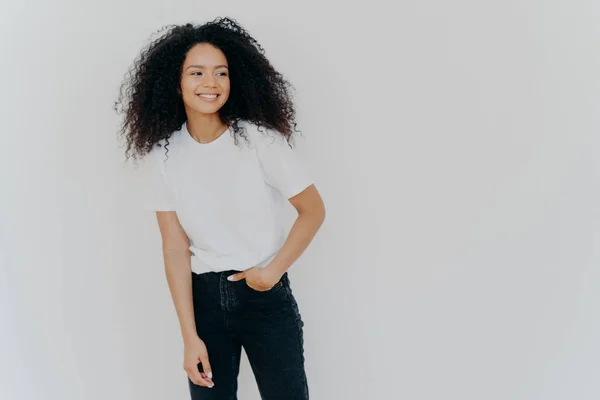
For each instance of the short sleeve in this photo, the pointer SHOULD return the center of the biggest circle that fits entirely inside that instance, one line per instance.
(156, 193)
(282, 166)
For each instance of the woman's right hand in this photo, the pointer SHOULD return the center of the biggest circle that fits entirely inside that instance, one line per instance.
(195, 352)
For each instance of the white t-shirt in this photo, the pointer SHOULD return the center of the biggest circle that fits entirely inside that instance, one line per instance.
(229, 198)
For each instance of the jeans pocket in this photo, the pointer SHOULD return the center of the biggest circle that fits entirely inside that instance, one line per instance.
(276, 287)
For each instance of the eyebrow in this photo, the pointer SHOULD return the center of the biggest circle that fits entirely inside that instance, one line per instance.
(202, 66)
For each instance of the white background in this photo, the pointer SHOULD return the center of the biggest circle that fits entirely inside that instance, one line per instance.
(454, 143)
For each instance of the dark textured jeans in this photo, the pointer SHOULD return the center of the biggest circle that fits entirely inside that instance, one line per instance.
(267, 324)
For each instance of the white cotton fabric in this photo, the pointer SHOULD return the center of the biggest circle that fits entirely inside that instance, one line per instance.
(228, 198)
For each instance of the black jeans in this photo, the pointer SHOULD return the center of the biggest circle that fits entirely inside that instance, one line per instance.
(267, 324)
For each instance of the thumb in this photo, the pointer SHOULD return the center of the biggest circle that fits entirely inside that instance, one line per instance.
(237, 277)
(206, 367)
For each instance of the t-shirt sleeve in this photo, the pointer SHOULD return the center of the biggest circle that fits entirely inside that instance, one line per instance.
(282, 166)
(156, 193)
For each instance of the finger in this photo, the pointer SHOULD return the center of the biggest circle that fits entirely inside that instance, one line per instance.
(206, 376)
(196, 376)
(206, 367)
(207, 370)
(237, 277)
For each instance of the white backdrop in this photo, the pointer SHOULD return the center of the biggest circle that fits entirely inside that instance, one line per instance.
(454, 143)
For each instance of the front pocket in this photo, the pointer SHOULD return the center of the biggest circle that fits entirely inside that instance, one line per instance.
(275, 287)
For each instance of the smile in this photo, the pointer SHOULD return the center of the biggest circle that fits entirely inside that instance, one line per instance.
(208, 96)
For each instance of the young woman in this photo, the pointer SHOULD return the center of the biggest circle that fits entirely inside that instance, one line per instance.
(214, 122)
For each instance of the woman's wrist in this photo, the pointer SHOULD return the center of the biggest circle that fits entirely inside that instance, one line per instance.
(275, 271)
(189, 336)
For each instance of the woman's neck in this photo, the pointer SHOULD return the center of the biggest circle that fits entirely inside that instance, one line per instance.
(205, 127)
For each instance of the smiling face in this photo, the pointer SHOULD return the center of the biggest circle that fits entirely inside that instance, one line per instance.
(204, 79)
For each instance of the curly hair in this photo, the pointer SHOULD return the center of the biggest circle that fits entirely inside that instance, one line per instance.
(151, 104)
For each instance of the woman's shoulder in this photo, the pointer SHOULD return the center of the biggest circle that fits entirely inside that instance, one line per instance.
(167, 144)
(261, 134)
(162, 151)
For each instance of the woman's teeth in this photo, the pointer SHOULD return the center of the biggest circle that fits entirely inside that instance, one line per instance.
(208, 96)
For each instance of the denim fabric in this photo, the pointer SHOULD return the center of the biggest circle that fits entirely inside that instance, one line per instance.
(268, 325)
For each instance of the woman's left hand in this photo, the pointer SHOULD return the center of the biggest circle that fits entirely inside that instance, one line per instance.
(260, 279)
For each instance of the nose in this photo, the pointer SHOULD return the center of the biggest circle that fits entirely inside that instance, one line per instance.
(209, 80)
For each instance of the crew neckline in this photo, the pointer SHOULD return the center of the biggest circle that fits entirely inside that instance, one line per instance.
(219, 141)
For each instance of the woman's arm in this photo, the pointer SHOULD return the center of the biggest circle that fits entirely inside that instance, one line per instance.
(175, 245)
(177, 256)
(311, 214)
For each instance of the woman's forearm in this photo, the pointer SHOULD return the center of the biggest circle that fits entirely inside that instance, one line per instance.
(301, 234)
(179, 278)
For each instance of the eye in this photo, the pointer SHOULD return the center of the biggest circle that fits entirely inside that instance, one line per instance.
(198, 72)
(223, 73)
